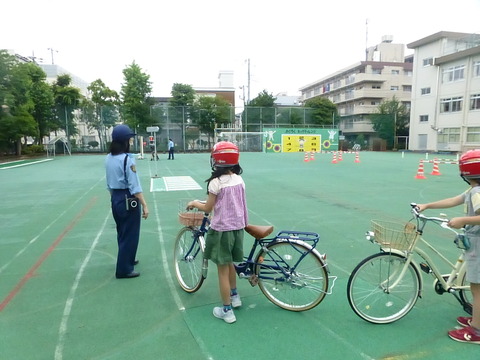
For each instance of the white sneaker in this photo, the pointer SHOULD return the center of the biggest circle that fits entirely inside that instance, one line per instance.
(236, 301)
(228, 316)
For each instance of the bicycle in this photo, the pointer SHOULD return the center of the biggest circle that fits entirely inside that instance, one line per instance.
(288, 269)
(385, 286)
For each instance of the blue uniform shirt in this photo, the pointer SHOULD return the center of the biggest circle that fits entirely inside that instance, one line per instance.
(116, 178)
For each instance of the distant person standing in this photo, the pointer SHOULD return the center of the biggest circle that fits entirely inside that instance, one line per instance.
(128, 203)
(171, 149)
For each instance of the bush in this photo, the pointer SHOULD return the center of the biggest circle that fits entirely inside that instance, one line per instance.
(33, 149)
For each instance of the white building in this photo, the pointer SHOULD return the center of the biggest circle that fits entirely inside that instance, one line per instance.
(359, 89)
(445, 111)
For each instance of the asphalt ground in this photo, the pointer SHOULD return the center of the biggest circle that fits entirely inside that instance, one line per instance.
(59, 298)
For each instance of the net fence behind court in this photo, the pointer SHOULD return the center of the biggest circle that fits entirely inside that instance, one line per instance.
(246, 141)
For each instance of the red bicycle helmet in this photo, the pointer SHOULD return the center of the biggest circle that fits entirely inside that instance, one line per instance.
(224, 154)
(469, 164)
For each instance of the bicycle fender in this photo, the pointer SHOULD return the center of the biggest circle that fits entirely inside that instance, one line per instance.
(414, 264)
(310, 248)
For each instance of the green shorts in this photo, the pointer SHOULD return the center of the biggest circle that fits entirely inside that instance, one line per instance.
(224, 247)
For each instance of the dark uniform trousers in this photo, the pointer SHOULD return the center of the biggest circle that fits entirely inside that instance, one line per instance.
(128, 231)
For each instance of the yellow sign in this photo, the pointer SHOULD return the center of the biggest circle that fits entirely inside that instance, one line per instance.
(299, 143)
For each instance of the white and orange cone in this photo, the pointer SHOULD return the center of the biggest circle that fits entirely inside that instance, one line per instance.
(420, 173)
(334, 161)
(312, 155)
(435, 168)
(306, 158)
(357, 157)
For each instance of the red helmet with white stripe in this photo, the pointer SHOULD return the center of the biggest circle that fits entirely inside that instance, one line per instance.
(469, 164)
(224, 154)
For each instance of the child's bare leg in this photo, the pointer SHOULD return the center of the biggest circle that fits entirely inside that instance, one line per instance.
(224, 282)
(232, 274)
(476, 305)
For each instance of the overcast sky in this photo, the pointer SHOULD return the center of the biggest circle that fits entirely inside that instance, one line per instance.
(289, 43)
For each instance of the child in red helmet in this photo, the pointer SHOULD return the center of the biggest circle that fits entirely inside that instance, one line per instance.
(470, 171)
(224, 241)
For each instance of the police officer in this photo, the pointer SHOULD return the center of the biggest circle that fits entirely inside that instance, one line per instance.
(128, 203)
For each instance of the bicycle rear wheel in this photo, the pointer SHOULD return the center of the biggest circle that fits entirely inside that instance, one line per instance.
(288, 280)
(379, 291)
(188, 258)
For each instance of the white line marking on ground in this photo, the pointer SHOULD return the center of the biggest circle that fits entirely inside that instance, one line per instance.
(21, 251)
(24, 164)
(68, 304)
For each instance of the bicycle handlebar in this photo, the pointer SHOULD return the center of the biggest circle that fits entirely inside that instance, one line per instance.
(417, 214)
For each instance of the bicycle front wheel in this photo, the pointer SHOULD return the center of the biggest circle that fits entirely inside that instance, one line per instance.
(290, 276)
(188, 258)
(381, 290)
(466, 295)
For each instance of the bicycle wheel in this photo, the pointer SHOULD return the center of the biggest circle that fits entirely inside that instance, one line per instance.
(288, 280)
(379, 291)
(188, 257)
(466, 296)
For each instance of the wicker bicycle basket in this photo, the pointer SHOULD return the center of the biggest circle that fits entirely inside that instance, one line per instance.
(394, 235)
(189, 217)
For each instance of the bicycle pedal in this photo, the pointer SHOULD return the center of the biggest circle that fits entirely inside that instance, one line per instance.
(425, 268)
(253, 280)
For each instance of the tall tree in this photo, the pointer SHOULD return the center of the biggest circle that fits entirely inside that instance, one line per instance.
(324, 111)
(135, 97)
(67, 100)
(259, 110)
(101, 112)
(391, 120)
(210, 113)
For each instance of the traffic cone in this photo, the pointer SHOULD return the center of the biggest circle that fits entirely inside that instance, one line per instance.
(357, 157)
(420, 174)
(334, 161)
(340, 157)
(306, 159)
(312, 156)
(435, 168)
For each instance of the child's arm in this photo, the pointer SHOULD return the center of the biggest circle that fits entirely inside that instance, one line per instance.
(203, 206)
(442, 204)
(460, 222)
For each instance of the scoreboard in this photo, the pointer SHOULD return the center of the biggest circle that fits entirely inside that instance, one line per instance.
(299, 143)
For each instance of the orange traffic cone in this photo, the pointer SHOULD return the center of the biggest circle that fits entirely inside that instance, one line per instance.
(306, 159)
(334, 161)
(312, 156)
(357, 157)
(435, 168)
(420, 174)
(340, 157)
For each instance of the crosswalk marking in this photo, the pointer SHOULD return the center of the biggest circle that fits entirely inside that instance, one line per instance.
(174, 183)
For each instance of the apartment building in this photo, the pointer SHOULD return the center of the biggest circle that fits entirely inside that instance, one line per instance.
(359, 89)
(445, 111)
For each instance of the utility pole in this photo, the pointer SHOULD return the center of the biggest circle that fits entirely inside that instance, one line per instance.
(248, 79)
(34, 58)
(51, 52)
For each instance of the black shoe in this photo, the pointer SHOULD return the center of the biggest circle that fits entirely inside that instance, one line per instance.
(136, 262)
(133, 274)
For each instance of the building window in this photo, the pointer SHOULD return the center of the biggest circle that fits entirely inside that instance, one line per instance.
(453, 73)
(394, 88)
(451, 104)
(423, 118)
(427, 61)
(377, 71)
(375, 103)
(376, 87)
(425, 91)
(407, 88)
(473, 134)
(408, 72)
(449, 135)
(475, 102)
(395, 72)
(476, 68)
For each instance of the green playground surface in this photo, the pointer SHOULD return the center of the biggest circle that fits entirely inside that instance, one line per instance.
(59, 298)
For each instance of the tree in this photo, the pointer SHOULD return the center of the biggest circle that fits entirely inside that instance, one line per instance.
(391, 120)
(182, 95)
(67, 99)
(100, 113)
(324, 111)
(263, 99)
(135, 97)
(210, 113)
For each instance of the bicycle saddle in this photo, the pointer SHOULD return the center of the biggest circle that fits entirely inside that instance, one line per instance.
(259, 231)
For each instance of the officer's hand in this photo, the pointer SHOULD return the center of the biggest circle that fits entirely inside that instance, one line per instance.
(145, 212)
